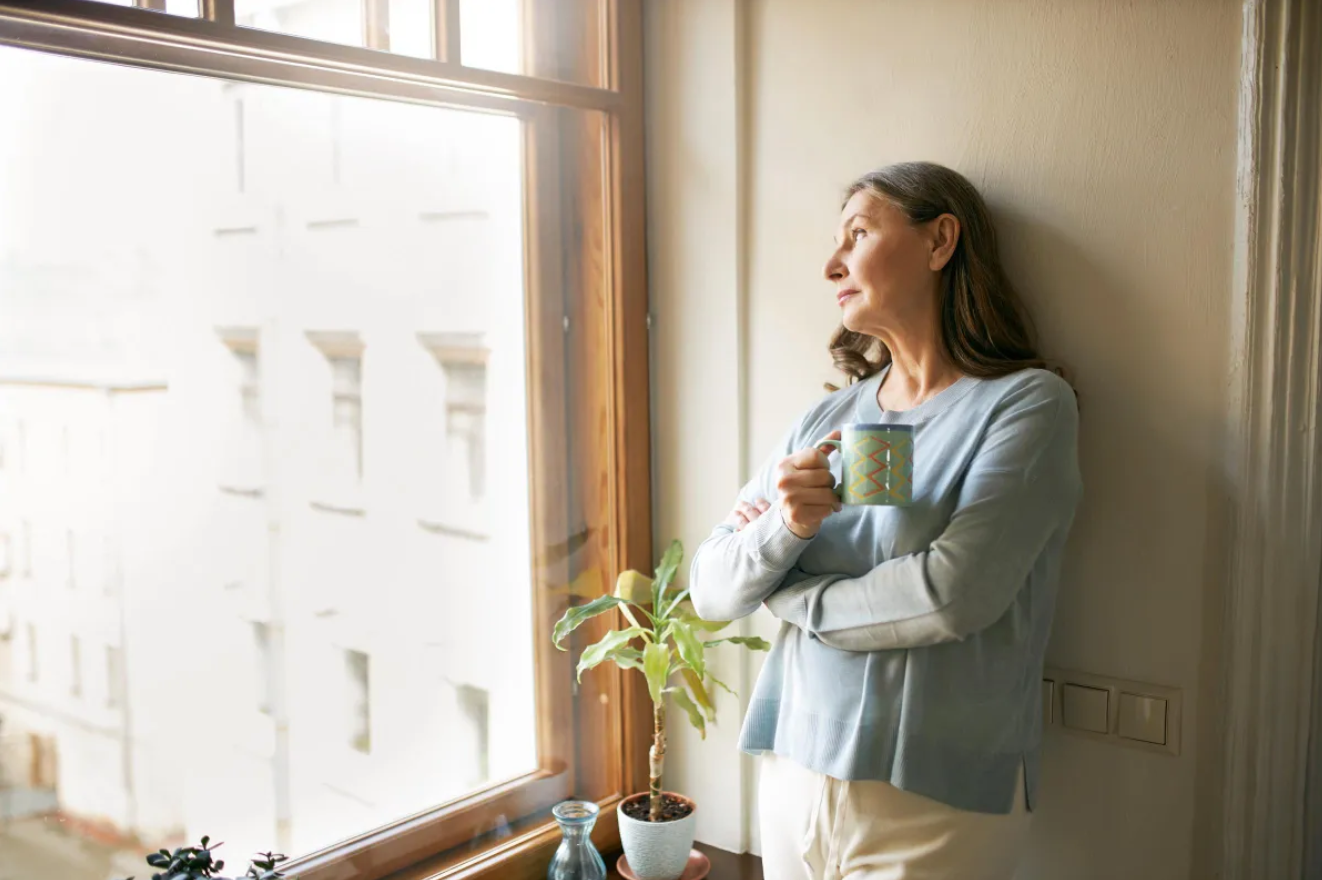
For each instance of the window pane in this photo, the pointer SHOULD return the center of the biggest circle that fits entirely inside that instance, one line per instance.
(331, 286)
(552, 39)
(174, 7)
(335, 21)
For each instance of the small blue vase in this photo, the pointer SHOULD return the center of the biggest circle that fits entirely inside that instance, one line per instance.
(577, 858)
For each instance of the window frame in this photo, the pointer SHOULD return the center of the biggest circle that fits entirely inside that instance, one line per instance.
(610, 373)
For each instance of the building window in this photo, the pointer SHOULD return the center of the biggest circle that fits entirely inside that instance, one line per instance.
(261, 637)
(25, 536)
(475, 709)
(359, 701)
(70, 559)
(245, 451)
(344, 444)
(114, 677)
(75, 666)
(463, 361)
(33, 656)
(347, 414)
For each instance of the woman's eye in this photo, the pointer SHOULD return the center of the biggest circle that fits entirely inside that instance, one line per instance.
(856, 233)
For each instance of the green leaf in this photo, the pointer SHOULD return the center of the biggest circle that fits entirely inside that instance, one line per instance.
(578, 615)
(694, 681)
(689, 616)
(753, 643)
(628, 658)
(695, 717)
(634, 586)
(723, 686)
(611, 643)
(690, 649)
(656, 665)
(675, 604)
(665, 572)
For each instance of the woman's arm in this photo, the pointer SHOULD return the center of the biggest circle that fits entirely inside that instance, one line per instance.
(1020, 491)
(743, 562)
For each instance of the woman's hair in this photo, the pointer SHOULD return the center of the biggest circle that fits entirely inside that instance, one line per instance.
(985, 328)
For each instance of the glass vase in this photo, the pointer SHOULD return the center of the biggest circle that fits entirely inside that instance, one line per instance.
(576, 858)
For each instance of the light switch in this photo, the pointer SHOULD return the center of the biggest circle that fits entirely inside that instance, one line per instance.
(1085, 708)
(1142, 718)
(1048, 702)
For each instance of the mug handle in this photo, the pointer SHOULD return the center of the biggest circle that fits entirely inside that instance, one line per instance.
(839, 489)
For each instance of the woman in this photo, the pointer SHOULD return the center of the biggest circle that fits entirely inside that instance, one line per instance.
(898, 715)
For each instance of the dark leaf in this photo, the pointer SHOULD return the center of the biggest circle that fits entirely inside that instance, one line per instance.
(577, 616)
(656, 664)
(690, 649)
(612, 642)
(753, 643)
(695, 717)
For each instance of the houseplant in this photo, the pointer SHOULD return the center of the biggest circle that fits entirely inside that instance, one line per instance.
(667, 642)
(199, 863)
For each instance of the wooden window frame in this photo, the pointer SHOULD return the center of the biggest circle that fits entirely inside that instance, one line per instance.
(603, 393)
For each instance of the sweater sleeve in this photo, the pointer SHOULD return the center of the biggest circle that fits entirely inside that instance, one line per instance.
(1021, 489)
(734, 571)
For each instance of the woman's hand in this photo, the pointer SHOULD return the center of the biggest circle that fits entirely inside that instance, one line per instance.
(744, 513)
(806, 487)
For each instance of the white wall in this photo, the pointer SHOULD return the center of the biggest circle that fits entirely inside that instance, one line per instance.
(1103, 135)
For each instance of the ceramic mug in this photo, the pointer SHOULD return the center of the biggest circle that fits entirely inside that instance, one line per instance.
(877, 464)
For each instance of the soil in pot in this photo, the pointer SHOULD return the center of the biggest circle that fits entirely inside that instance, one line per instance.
(672, 809)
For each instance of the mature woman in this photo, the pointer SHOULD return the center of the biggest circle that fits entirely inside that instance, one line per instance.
(898, 716)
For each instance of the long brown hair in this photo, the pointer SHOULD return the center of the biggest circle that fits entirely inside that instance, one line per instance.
(985, 328)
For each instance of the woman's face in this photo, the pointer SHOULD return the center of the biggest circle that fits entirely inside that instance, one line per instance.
(882, 266)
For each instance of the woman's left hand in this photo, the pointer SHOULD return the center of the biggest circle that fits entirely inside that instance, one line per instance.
(744, 514)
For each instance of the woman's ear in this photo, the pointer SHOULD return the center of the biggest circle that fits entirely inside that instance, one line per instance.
(945, 236)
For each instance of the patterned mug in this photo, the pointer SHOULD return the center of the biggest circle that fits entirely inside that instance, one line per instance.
(877, 464)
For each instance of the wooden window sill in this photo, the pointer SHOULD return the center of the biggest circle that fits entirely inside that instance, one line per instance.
(724, 865)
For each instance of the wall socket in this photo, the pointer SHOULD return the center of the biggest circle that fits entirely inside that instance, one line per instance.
(1126, 713)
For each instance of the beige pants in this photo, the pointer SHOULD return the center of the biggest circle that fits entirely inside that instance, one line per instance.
(815, 827)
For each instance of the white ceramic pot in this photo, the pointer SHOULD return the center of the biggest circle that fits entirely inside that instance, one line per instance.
(657, 850)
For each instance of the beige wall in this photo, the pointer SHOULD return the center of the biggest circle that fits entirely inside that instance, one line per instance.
(1103, 135)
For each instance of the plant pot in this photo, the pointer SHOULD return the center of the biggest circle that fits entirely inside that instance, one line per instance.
(657, 850)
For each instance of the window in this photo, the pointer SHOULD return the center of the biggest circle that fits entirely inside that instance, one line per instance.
(70, 560)
(242, 471)
(264, 668)
(25, 535)
(376, 199)
(33, 656)
(75, 666)
(358, 701)
(463, 476)
(343, 463)
(114, 677)
(474, 706)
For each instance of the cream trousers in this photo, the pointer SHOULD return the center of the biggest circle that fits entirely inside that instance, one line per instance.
(815, 827)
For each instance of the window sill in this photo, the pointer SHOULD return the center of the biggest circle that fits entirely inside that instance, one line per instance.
(345, 508)
(437, 527)
(242, 491)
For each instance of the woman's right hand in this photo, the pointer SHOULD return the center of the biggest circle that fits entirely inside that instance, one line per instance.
(807, 490)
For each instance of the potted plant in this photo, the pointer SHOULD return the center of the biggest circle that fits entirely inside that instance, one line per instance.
(199, 863)
(668, 642)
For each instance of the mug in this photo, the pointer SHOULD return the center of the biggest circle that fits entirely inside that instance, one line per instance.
(877, 464)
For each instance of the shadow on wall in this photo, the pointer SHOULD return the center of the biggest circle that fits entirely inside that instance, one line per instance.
(1151, 461)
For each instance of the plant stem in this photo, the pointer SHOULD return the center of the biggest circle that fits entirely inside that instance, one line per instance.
(657, 757)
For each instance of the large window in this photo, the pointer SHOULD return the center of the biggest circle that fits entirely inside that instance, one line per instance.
(337, 358)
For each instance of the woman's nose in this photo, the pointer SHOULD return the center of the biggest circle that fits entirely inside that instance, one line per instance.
(834, 269)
